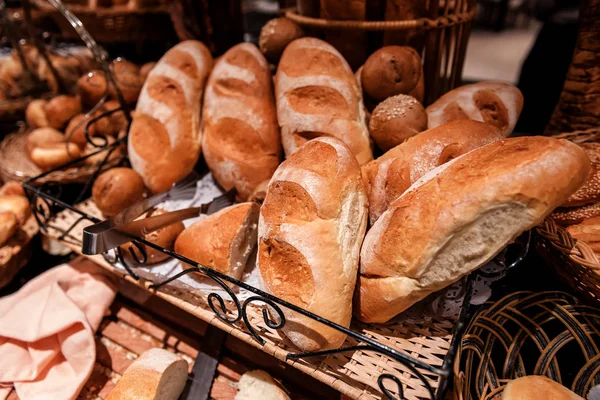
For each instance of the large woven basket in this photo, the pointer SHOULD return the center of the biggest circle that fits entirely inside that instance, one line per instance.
(524, 333)
(444, 34)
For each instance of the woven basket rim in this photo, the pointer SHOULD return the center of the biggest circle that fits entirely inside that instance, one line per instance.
(102, 11)
(420, 23)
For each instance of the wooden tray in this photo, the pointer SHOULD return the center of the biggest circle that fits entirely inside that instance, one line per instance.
(17, 251)
(353, 373)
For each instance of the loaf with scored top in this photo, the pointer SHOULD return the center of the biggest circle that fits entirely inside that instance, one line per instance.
(459, 216)
(240, 140)
(164, 139)
(317, 95)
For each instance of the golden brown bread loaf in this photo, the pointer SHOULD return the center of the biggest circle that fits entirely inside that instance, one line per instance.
(395, 120)
(240, 136)
(275, 35)
(352, 44)
(535, 387)
(587, 231)
(157, 374)
(164, 139)
(495, 103)
(317, 95)
(222, 241)
(393, 70)
(116, 189)
(589, 192)
(389, 176)
(311, 226)
(48, 148)
(164, 237)
(461, 215)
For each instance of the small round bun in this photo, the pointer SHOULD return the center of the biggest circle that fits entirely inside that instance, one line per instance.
(117, 121)
(146, 68)
(17, 205)
(91, 87)
(35, 114)
(60, 109)
(75, 132)
(397, 119)
(391, 70)
(164, 237)
(12, 188)
(117, 189)
(275, 35)
(128, 79)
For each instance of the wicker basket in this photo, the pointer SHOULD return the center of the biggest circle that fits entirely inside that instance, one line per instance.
(524, 333)
(444, 33)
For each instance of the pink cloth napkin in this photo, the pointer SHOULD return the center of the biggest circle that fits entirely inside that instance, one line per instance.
(47, 347)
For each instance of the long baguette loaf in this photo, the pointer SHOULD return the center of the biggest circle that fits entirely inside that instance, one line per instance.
(495, 103)
(311, 225)
(165, 138)
(317, 95)
(459, 216)
(240, 140)
(391, 174)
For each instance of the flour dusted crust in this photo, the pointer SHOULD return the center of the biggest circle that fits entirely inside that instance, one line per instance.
(317, 95)
(241, 142)
(495, 103)
(390, 175)
(311, 226)
(460, 217)
(165, 139)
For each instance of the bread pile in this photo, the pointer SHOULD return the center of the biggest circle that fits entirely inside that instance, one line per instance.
(14, 210)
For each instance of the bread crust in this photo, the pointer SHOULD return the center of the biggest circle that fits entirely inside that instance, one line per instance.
(535, 387)
(459, 216)
(317, 95)
(311, 226)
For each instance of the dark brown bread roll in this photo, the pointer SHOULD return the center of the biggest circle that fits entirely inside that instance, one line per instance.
(116, 189)
(275, 35)
(395, 120)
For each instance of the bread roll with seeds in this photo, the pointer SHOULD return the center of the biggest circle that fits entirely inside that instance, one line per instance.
(317, 95)
(589, 192)
(495, 103)
(395, 120)
(566, 216)
(311, 226)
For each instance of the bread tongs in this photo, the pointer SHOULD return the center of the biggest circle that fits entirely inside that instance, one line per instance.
(123, 227)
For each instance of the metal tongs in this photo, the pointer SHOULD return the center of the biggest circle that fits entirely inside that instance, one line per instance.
(123, 227)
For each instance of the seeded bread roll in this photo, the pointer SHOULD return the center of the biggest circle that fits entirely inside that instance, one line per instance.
(388, 177)
(311, 226)
(495, 103)
(275, 35)
(240, 136)
(317, 95)
(574, 215)
(460, 216)
(589, 192)
(222, 241)
(395, 120)
(535, 387)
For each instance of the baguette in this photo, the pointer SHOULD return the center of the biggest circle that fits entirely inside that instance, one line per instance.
(240, 139)
(495, 103)
(311, 225)
(390, 175)
(164, 139)
(317, 95)
(460, 216)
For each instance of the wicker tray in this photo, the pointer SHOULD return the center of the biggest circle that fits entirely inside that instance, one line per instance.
(354, 373)
(17, 251)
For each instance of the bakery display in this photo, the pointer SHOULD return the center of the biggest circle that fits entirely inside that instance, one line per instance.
(389, 176)
(157, 374)
(222, 241)
(495, 103)
(535, 387)
(395, 120)
(258, 384)
(311, 226)
(240, 137)
(116, 189)
(164, 139)
(317, 95)
(275, 35)
(459, 216)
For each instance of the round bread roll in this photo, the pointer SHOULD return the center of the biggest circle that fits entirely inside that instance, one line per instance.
(17, 205)
(75, 132)
(48, 149)
(392, 70)
(60, 109)
(41, 137)
(397, 119)
(35, 114)
(590, 191)
(146, 68)
(535, 387)
(12, 188)
(128, 79)
(275, 35)
(117, 189)
(8, 226)
(91, 87)
(116, 121)
(164, 237)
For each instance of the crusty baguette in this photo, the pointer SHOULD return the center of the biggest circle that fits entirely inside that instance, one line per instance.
(495, 103)
(222, 241)
(260, 385)
(156, 375)
(311, 225)
(391, 174)
(459, 216)
(164, 139)
(317, 95)
(534, 387)
(240, 140)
